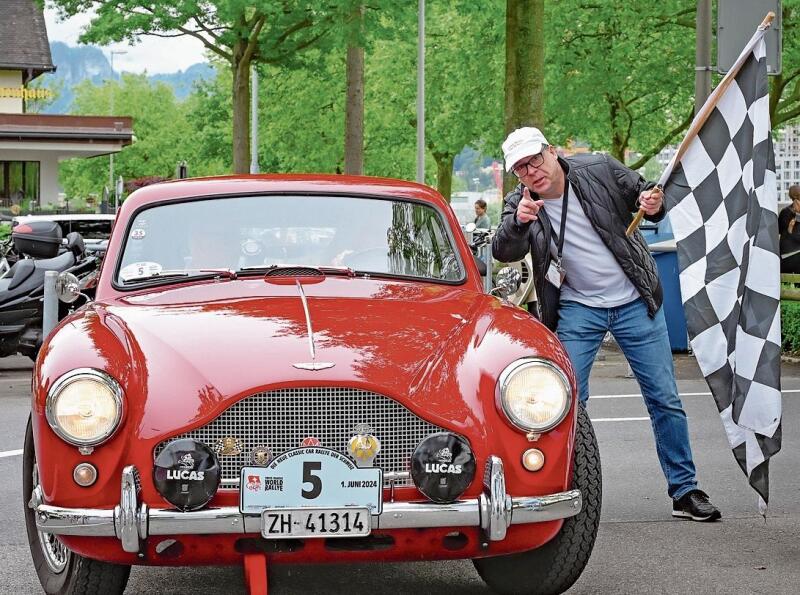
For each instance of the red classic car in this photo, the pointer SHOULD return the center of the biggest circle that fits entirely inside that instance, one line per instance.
(282, 369)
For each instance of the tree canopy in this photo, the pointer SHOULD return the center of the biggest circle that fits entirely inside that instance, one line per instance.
(163, 134)
(237, 31)
(617, 76)
(620, 75)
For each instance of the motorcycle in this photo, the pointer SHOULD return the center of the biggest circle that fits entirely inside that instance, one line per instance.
(526, 293)
(39, 249)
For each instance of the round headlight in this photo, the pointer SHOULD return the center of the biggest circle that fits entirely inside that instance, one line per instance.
(84, 407)
(534, 394)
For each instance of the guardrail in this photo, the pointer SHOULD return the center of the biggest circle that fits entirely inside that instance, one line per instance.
(793, 291)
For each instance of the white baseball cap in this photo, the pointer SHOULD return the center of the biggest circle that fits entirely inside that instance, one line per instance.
(521, 143)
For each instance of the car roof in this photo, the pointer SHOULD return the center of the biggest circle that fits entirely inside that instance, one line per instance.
(319, 184)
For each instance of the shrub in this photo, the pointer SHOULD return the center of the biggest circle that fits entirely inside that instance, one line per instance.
(790, 326)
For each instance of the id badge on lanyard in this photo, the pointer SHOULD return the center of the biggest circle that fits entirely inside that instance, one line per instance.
(555, 272)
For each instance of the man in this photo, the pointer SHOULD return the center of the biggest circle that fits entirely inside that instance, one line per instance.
(789, 230)
(482, 220)
(590, 279)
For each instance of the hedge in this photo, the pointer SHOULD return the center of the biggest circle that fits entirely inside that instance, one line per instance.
(790, 326)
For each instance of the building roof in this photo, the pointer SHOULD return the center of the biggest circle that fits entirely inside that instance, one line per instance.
(43, 127)
(23, 39)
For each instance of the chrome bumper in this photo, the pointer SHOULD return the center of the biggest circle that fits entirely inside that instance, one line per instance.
(131, 521)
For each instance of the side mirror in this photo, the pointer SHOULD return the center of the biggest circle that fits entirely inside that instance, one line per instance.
(68, 288)
(507, 282)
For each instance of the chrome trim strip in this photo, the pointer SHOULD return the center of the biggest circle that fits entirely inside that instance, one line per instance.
(228, 519)
(494, 511)
(313, 365)
(308, 320)
(403, 515)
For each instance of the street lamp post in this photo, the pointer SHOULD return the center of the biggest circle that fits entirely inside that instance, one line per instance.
(421, 92)
(111, 90)
(254, 168)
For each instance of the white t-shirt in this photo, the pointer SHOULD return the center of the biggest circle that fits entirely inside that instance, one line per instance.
(593, 275)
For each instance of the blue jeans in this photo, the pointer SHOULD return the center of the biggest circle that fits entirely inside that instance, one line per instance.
(645, 343)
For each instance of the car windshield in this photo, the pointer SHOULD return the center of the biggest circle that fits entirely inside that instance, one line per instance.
(387, 237)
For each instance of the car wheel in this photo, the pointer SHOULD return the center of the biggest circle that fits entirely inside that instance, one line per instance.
(61, 571)
(554, 567)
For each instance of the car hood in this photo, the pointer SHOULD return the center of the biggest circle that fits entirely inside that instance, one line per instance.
(203, 346)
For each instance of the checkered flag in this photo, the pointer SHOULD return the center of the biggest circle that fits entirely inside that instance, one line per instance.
(721, 194)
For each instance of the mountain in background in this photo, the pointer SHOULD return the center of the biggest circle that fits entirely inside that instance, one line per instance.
(87, 62)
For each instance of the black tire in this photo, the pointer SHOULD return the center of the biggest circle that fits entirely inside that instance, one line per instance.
(79, 575)
(554, 567)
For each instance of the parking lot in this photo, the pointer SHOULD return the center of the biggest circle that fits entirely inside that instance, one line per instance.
(640, 547)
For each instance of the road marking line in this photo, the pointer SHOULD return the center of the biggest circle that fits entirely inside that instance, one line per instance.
(596, 419)
(706, 394)
(10, 453)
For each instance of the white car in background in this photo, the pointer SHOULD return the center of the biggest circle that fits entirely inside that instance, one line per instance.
(95, 229)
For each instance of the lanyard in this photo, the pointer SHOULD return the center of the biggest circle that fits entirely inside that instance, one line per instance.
(560, 235)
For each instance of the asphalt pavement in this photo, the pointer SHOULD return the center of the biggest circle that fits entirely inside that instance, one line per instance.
(640, 547)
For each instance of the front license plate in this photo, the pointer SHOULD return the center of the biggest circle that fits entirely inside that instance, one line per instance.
(311, 477)
(315, 522)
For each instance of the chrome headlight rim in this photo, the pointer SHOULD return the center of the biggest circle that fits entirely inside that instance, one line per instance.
(528, 362)
(65, 380)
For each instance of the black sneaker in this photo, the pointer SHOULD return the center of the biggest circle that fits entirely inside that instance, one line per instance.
(694, 505)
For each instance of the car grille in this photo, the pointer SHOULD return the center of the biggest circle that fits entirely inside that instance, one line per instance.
(281, 419)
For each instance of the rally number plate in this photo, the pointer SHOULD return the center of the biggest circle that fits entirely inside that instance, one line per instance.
(315, 522)
(313, 478)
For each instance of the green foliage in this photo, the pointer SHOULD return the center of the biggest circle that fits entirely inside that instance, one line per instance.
(494, 209)
(790, 326)
(208, 113)
(785, 88)
(464, 78)
(302, 116)
(239, 32)
(619, 74)
(162, 134)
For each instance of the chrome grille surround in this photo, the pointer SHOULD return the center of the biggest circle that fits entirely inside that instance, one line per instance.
(281, 419)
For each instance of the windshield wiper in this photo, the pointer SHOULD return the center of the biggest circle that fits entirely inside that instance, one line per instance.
(327, 270)
(227, 273)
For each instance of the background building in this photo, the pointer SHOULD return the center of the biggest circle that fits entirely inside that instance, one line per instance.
(787, 160)
(32, 145)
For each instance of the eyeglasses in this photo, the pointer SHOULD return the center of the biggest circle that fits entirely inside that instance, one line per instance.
(535, 162)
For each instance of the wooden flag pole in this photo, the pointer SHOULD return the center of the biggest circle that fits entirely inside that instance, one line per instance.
(700, 119)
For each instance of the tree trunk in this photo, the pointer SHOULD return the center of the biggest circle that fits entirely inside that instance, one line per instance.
(354, 110)
(444, 174)
(619, 144)
(241, 109)
(524, 100)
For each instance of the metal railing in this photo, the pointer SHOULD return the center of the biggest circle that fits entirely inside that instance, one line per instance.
(792, 292)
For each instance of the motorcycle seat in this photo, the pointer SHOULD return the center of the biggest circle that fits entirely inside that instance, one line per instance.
(27, 268)
(60, 263)
(21, 270)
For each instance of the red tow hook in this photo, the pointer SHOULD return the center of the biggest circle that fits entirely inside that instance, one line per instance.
(255, 573)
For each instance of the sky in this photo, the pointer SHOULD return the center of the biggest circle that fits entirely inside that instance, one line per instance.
(152, 54)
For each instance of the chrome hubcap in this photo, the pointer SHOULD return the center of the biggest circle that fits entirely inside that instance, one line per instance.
(55, 553)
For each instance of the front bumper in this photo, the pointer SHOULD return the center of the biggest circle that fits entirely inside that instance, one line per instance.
(131, 521)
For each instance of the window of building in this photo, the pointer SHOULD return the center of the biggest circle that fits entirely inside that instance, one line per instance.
(19, 182)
